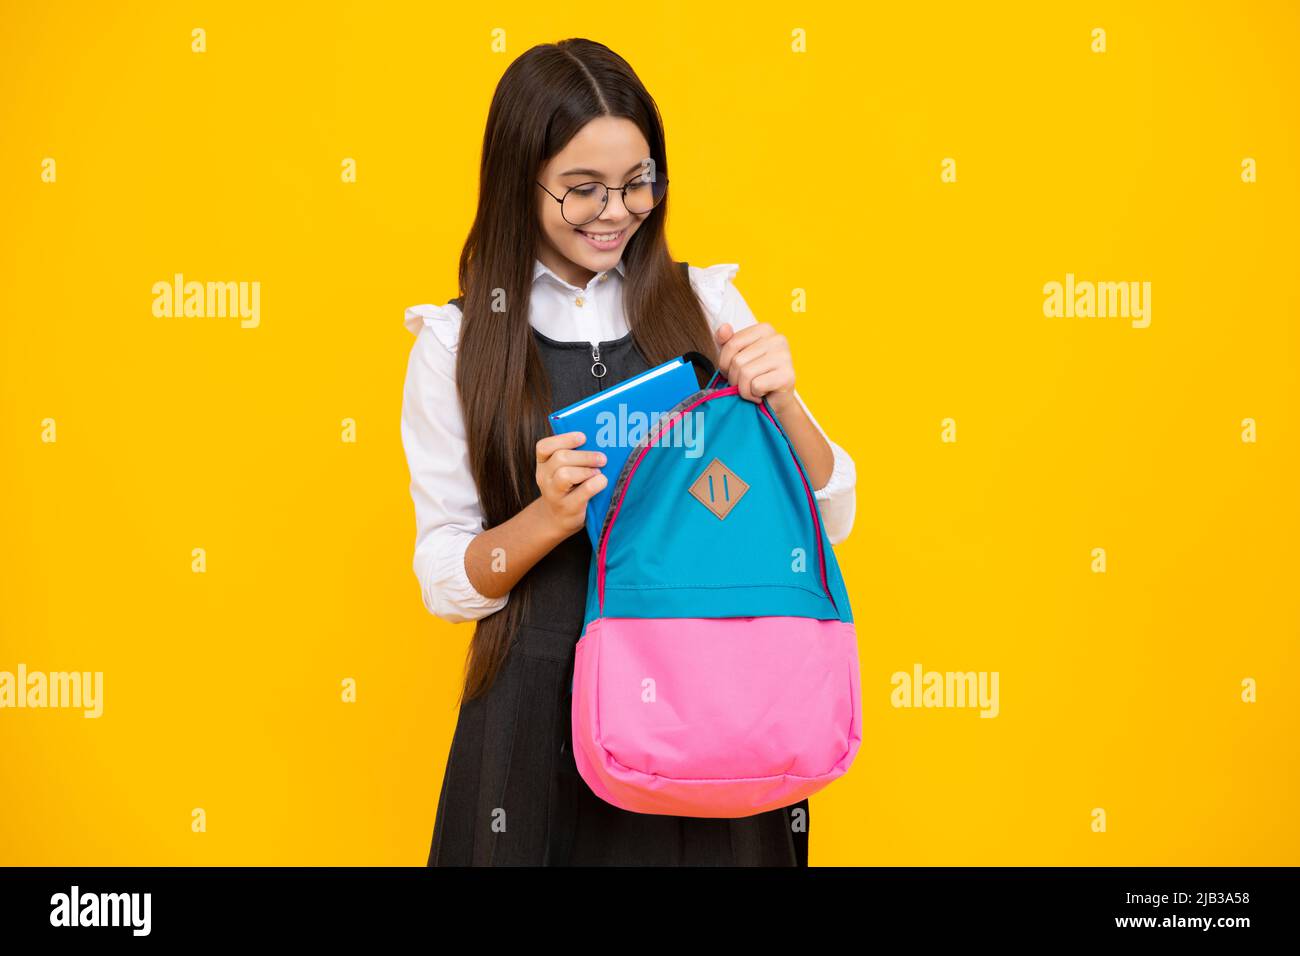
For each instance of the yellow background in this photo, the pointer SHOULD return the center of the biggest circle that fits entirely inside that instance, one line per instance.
(817, 171)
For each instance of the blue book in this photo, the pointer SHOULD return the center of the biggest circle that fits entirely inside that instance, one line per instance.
(615, 419)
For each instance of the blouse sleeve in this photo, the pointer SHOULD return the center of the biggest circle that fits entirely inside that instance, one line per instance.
(723, 303)
(447, 510)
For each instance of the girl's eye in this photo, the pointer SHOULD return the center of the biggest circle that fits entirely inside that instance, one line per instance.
(585, 191)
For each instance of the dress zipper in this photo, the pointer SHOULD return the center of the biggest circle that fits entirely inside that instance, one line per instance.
(596, 363)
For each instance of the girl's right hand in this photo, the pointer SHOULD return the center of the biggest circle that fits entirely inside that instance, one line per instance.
(567, 479)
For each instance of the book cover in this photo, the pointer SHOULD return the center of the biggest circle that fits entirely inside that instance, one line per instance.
(614, 419)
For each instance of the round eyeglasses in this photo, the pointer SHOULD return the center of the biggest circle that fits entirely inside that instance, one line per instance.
(584, 202)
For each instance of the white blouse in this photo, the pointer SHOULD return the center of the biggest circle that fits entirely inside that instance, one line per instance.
(447, 509)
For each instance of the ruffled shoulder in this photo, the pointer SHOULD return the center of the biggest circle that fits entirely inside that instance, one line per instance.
(710, 284)
(444, 320)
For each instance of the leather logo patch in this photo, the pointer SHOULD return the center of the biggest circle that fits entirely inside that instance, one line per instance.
(718, 488)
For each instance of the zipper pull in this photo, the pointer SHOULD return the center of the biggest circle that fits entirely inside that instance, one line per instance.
(596, 363)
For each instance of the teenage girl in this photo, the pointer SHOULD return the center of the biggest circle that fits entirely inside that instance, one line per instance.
(568, 287)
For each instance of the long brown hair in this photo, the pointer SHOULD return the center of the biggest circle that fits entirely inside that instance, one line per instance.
(544, 98)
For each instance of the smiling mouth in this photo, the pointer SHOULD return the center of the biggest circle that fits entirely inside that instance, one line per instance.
(602, 238)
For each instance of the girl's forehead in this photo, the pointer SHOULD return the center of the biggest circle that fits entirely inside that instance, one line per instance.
(610, 146)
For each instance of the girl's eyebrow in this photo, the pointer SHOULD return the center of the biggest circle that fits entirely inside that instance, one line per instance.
(597, 172)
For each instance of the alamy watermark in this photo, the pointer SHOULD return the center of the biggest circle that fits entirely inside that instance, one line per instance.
(1076, 299)
(180, 299)
(63, 689)
(922, 688)
(76, 908)
(627, 429)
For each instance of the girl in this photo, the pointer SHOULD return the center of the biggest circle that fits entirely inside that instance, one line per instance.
(568, 288)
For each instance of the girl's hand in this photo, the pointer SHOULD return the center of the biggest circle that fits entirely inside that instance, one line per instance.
(567, 479)
(756, 360)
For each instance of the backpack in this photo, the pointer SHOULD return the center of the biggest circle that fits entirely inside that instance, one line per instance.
(716, 674)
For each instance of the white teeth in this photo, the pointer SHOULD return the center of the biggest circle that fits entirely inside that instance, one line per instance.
(601, 237)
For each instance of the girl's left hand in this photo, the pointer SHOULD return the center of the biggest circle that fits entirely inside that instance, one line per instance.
(756, 360)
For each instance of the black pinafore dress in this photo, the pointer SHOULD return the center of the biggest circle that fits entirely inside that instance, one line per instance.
(511, 793)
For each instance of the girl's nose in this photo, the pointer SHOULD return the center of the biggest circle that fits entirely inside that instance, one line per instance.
(612, 212)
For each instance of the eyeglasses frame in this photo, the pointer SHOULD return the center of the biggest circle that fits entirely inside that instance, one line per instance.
(622, 190)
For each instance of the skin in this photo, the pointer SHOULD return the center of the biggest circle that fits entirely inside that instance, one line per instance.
(756, 360)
